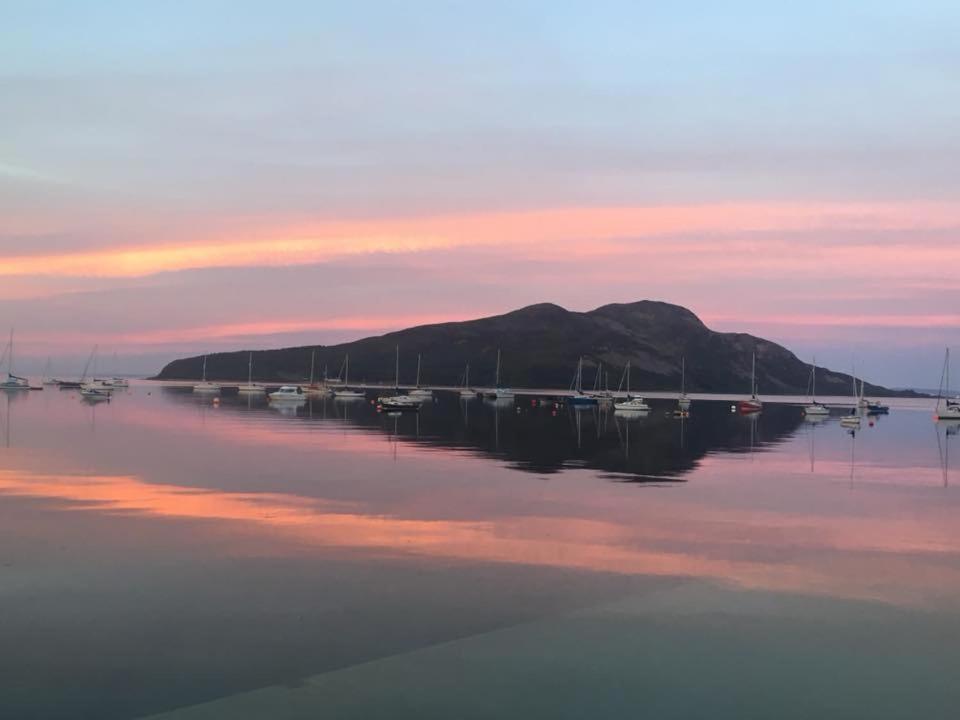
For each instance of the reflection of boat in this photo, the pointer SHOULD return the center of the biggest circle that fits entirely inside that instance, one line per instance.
(850, 421)
(346, 392)
(579, 397)
(203, 386)
(683, 401)
(631, 404)
(752, 404)
(499, 393)
(12, 382)
(251, 388)
(947, 408)
(814, 408)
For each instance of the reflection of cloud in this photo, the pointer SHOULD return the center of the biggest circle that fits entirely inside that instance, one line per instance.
(732, 546)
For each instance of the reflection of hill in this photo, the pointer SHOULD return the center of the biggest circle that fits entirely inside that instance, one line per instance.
(545, 440)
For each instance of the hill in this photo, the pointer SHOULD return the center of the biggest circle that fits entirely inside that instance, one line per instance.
(540, 345)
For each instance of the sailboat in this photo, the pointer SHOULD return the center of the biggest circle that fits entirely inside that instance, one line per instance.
(631, 404)
(870, 407)
(466, 391)
(251, 388)
(947, 408)
(399, 401)
(48, 378)
(814, 408)
(753, 404)
(683, 401)
(13, 382)
(579, 397)
(313, 388)
(852, 420)
(95, 389)
(499, 393)
(346, 393)
(210, 388)
(420, 392)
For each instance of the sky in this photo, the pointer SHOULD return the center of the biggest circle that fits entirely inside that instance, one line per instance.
(185, 177)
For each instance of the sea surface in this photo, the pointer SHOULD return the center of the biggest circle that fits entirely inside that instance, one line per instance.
(162, 556)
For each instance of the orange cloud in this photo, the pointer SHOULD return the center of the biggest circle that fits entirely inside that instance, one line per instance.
(311, 242)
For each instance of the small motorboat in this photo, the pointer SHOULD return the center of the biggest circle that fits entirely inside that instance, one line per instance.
(93, 393)
(816, 409)
(288, 393)
(399, 403)
(636, 404)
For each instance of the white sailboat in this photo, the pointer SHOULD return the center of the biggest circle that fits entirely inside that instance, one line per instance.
(209, 388)
(251, 388)
(94, 389)
(399, 401)
(48, 378)
(631, 404)
(466, 391)
(346, 392)
(420, 392)
(814, 408)
(947, 408)
(683, 401)
(315, 389)
(852, 420)
(499, 393)
(12, 382)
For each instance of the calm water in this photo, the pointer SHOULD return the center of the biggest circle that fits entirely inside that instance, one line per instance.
(162, 557)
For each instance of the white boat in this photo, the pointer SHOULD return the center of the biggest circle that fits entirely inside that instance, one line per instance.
(346, 392)
(251, 388)
(208, 388)
(94, 393)
(93, 388)
(398, 401)
(631, 404)
(288, 393)
(11, 381)
(119, 382)
(499, 393)
(947, 408)
(466, 391)
(48, 379)
(420, 392)
(852, 420)
(683, 401)
(814, 408)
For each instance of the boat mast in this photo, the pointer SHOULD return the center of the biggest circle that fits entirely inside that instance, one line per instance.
(313, 358)
(346, 371)
(628, 378)
(813, 381)
(418, 370)
(498, 368)
(683, 376)
(250, 371)
(396, 369)
(753, 374)
(466, 377)
(204, 367)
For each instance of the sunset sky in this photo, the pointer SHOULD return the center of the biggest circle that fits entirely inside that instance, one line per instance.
(180, 177)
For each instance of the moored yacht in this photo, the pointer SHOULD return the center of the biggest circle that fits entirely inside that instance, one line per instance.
(209, 388)
(814, 408)
(420, 392)
(752, 404)
(947, 408)
(683, 402)
(251, 388)
(499, 393)
(466, 391)
(288, 393)
(346, 392)
(631, 404)
(11, 381)
(579, 397)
